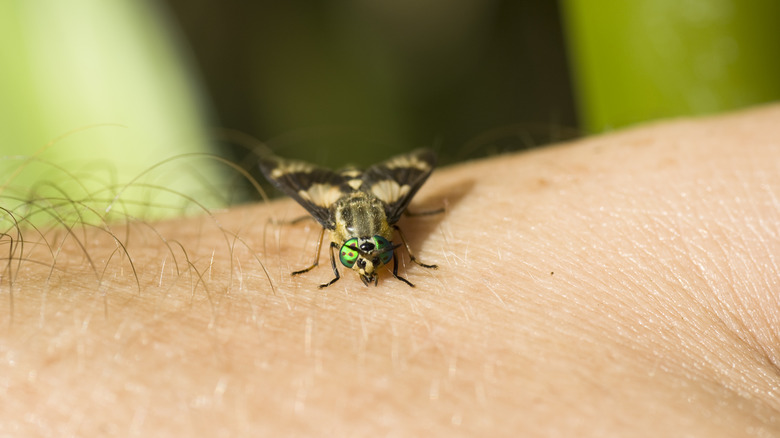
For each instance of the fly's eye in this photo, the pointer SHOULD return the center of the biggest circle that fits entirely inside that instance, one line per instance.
(385, 249)
(348, 253)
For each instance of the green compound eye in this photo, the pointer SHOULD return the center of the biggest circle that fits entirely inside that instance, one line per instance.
(384, 248)
(348, 253)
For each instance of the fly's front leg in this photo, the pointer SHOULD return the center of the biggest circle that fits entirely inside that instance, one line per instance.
(316, 255)
(333, 265)
(409, 250)
(395, 271)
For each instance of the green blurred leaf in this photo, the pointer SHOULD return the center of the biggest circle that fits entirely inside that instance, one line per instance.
(647, 59)
(111, 74)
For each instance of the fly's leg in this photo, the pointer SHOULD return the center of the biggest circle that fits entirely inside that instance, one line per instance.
(424, 213)
(316, 255)
(409, 250)
(333, 265)
(395, 271)
(298, 220)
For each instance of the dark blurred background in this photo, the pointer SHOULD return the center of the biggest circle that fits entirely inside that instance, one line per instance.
(355, 81)
(99, 94)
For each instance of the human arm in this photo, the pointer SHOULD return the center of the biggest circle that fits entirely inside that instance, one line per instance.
(622, 284)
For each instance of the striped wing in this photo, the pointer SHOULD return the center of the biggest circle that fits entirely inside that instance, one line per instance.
(398, 179)
(315, 188)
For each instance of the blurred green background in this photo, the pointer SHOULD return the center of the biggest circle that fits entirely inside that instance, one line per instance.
(345, 81)
(650, 59)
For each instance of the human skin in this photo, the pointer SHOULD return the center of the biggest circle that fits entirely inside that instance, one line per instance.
(620, 285)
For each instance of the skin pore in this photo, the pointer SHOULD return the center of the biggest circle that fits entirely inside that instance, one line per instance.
(621, 285)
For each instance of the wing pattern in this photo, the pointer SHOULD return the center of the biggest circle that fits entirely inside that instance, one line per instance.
(398, 179)
(394, 182)
(315, 188)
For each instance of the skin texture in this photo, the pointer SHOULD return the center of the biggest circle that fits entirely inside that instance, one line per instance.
(621, 285)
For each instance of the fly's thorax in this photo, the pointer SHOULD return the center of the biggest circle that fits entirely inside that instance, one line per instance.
(359, 215)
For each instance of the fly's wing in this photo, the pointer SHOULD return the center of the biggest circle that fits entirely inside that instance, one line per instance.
(315, 188)
(396, 181)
